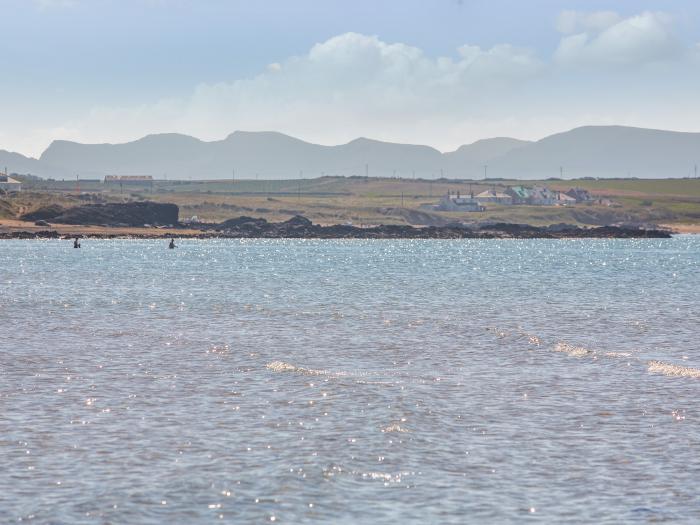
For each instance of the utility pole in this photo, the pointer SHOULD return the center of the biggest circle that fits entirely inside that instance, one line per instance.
(485, 168)
(366, 170)
(561, 172)
(301, 176)
(77, 183)
(233, 176)
(696, 171)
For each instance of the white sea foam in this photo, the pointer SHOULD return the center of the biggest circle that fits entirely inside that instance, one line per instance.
(281, 366)
(394, 427)
(668, 369)
(571, 350)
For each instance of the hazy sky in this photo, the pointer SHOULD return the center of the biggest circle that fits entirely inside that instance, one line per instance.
(440, 72)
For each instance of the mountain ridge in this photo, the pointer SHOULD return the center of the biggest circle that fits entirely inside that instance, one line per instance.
(596, 151)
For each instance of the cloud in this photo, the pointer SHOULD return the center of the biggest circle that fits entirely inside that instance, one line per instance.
(576, 21)
(349, 85)
(360, 85)
(640, 39)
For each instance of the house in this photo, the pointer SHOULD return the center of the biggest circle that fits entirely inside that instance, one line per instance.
(9, 184)
(456, 202)
(564, 200)
(494, 197)
(542, 196)
(580, 195)
(519, 194)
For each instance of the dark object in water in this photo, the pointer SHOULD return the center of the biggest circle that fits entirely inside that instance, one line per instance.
(76, 243)
(172, 244)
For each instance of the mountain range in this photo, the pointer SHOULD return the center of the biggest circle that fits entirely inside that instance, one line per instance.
(591, 151)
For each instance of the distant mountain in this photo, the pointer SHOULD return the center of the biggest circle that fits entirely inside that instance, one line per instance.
(469, 160)
(16, 163)
(251, 154)
(595, 151)
(603, 151)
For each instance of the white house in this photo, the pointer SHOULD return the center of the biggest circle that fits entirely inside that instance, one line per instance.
(8, 184)
(457, 202)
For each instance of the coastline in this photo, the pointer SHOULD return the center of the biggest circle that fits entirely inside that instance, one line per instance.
(301, 228)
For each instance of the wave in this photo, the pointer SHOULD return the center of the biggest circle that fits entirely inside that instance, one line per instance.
(281, 366)
(668, 369)
(573, 351)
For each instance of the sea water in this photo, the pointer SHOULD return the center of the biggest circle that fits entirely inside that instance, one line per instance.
(383, 381)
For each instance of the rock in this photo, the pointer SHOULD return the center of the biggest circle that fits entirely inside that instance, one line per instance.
(242, 221)
(45, 213)
(126, 214)
(301, 227)
(298, 221)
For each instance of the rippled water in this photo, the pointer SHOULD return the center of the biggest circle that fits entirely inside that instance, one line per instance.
(350, 381)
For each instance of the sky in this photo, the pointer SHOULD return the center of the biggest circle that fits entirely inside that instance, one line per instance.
(442, 72)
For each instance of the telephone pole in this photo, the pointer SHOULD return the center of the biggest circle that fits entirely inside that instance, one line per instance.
(485, 168)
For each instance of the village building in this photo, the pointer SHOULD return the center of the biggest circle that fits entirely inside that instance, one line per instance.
(9, 184)
(542, 196)
(456, 202)
(580, 195)
(494, 197)
(564, 200)
(519, 194)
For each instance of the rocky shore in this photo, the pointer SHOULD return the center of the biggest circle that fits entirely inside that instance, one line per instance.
(301, 228)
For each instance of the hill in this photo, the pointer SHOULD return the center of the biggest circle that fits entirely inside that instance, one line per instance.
(603, 151)
(592, 151)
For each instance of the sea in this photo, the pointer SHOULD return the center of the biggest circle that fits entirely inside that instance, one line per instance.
(350, 381)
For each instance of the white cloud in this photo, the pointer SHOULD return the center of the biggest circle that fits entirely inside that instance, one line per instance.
(358, 85)
(641, 39)
(347, 86)
(576, 21)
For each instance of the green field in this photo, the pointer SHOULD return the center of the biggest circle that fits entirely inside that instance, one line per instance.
(362, 200)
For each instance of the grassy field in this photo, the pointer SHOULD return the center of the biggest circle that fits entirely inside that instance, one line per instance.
(330, 200)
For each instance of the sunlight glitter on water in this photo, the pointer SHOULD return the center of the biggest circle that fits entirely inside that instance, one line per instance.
(350, 381)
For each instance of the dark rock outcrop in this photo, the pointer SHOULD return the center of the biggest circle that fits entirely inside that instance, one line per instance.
(112, 214)
(46, 213)
(301, 227)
